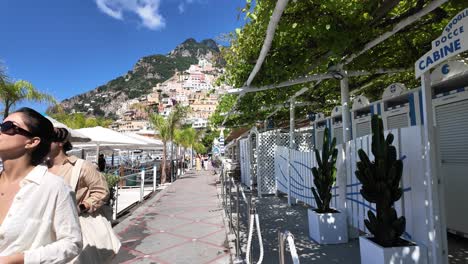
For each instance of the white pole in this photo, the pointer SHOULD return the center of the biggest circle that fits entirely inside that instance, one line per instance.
(97, 153)
(291, 146)
(155, 174)
(115, 211)
(345, 107)
(191, 156)
(142, 186)
(437, 236)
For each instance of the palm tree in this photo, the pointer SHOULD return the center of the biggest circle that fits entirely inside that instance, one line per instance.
(3, 76)
(192, 138)
(180, 140)
(13, 93)
(186, 138)
(199, 147)
(166, 128)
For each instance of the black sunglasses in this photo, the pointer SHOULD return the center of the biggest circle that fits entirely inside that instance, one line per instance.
(9, 128)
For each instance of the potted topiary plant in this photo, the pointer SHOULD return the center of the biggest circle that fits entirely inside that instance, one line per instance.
(326, 225)
(381, 185)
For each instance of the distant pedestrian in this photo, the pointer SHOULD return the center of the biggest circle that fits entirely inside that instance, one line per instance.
(198, 163)
(92, 192)
(38, 218)
(101, 163)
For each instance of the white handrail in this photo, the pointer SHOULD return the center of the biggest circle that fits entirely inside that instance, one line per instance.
(292, 248)
(260, 241)
(135, 177)
(288, 236)
(142, 185)
(242, 191)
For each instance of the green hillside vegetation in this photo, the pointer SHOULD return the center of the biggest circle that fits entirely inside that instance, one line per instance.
(79, 120)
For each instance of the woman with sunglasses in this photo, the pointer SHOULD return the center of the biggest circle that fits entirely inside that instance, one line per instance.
(38, 219)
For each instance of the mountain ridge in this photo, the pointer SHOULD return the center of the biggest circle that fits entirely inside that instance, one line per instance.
(148, 71)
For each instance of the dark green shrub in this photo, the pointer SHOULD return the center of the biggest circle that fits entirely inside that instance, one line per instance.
(325, 174)
(381, 185)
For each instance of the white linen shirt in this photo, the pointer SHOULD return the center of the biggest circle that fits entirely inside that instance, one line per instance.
(42, 221)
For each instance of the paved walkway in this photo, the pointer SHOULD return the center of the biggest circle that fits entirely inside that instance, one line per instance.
(180, 225)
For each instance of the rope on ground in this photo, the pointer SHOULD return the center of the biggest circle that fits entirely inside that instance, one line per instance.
(254, 219)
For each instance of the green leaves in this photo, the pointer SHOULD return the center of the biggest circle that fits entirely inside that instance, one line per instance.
(167, 128)
(13, 93)
(79, 120)
(312, 33)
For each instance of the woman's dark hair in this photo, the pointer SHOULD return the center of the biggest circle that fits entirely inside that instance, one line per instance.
(67, 146)
(41, 127)
(62, 135)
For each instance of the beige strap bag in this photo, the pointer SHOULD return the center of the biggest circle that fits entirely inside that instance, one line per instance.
(100, 244)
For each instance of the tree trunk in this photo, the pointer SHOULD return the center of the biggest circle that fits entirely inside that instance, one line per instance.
(191, 156)
(7, 109)
(172, 157)
(183, 159)
(163, 171)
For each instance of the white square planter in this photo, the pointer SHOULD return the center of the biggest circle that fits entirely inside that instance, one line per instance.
(373, 253)
(328, 228)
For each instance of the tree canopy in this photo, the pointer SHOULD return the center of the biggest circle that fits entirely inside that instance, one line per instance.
(167, 127)
(311, 36)
(79, 120)
(12, 93)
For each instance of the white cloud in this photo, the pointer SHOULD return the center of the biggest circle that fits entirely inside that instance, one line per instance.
(183, 4)
(107, 8)
(146, 10)
(181, 7)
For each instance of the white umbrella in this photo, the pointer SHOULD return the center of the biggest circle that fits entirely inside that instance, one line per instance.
(91, 145)
(108, 137)
(150, 141)
(75, 136)
(101, 135)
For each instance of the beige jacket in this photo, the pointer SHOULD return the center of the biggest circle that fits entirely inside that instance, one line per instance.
(91, 189)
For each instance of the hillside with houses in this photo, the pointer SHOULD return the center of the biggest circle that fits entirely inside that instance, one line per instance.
(194, 88)
(185, 76)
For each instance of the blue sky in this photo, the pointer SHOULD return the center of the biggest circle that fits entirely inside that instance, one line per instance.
(68, 47)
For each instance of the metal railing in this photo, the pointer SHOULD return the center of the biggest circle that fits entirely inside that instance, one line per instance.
(131, 179)
(137, 178)
(227, 184)
(282, 238)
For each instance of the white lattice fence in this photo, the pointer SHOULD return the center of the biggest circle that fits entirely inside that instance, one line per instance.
(303, 141)
(282, 139)
(265, 163)
(244, 145)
